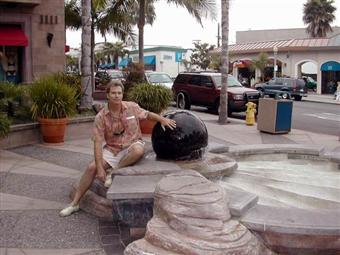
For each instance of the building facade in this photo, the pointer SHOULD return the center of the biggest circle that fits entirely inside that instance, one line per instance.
(32, 40)
(162, 59)
(288, 50)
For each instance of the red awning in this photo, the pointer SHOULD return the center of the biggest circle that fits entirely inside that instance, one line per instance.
(12, 36)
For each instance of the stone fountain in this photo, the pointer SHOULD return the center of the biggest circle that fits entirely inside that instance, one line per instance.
(184, 193)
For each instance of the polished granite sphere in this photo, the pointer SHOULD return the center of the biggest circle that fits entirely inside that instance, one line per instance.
(186, 142)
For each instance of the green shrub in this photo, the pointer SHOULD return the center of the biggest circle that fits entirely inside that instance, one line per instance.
(15, 101)
(4, 126)
(72, 80)
(135, 75)
(52, 98)
(154, 98)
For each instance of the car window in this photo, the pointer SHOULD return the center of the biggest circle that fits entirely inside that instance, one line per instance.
(206, 81)
(300, 82)
(158, 77)
(288, 82)
(181, 78)
(310, 79)
(279, 81)
(116, 74)
(272, 82)
(195, 80)
(232, 81)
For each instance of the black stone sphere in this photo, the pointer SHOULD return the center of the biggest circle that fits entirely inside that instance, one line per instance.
(186, 142)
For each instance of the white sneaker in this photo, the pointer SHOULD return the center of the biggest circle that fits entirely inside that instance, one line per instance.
(68, 210)
(108, 180)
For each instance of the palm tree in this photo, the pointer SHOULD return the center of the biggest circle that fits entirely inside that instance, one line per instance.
(197, 8)
(116, 50)
(105, 17)
(318, 16)
(223, 114)
(86, 99)
(260, 64)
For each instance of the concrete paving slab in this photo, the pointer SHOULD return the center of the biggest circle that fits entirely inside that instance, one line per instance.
(270, 139)
(9, 159)
(74, 160)
(40, 187)
(46, 229)
(85, 149)
(17, 251)
(45, 169)
(14, 202)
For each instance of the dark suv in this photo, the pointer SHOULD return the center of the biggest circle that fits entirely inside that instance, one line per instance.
(204, 89)
(295, 87)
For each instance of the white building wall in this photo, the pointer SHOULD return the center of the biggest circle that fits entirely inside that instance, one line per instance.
(165, 61)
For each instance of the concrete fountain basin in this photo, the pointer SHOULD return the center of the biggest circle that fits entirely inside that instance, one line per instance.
(298, 191)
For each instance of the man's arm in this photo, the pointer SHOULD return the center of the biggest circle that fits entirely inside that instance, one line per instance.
(164, 121)
(98, 158)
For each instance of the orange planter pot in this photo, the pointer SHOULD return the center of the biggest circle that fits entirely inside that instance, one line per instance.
(146, 126)
(53, 130)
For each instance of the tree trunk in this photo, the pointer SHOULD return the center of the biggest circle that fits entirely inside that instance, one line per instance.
(116, 61)
(141, 23)
(223, 114)
(92, 54)
(86, 97)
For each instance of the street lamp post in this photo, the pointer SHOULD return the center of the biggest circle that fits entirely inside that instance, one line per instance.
(275, 49)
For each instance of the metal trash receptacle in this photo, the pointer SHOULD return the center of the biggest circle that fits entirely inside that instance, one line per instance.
(274, 116)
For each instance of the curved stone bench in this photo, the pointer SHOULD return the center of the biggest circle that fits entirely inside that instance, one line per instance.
(133, 193)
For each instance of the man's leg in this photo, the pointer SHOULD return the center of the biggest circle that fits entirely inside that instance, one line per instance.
(84, 184)
(135, 152)
(86, 181)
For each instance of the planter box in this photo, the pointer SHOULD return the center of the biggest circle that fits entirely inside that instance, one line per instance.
(24, 134)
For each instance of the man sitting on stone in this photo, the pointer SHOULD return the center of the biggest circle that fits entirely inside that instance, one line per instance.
(117, 125)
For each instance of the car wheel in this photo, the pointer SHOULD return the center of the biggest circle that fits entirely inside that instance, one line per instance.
(183, 101)
(261, 90)
(297, 98)
(284, 95)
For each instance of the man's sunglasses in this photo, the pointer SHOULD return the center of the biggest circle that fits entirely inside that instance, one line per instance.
(119, 132)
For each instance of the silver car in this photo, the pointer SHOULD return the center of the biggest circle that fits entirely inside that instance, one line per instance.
(159, 78)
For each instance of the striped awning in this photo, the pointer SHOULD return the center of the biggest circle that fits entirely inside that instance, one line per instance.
(291, 44)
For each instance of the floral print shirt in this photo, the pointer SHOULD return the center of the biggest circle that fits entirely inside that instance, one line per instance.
(119, 132)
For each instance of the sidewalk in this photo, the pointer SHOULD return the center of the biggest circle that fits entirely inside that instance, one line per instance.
(35, 182)
(313, 97)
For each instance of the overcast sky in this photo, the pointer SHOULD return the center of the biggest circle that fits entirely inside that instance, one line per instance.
(175, 27)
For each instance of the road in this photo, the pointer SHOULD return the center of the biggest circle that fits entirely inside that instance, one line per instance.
(316, 117)
(313, 117)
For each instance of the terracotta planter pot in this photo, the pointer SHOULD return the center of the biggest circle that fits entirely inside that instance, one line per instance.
(53, 130)
(146, 126)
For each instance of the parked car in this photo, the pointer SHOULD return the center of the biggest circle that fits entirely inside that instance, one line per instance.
(204, 89)
(286, 86)
(310, 82)
(159, 78)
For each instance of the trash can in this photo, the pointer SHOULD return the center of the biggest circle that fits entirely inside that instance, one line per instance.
(274, 115)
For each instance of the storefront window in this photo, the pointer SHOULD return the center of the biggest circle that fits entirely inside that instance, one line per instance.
(10, 68)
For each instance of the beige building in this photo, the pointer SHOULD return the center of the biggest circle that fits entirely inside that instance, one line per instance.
(32, 37)
(289, 49)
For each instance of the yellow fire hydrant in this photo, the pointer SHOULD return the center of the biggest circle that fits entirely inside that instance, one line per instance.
(250, 113)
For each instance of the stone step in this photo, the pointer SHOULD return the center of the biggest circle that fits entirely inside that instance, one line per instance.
(143, 187)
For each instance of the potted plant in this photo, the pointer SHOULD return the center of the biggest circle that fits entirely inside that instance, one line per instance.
(154, 98)
(53, 102)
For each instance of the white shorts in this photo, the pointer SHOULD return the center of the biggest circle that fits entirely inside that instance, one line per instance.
(113, 160)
